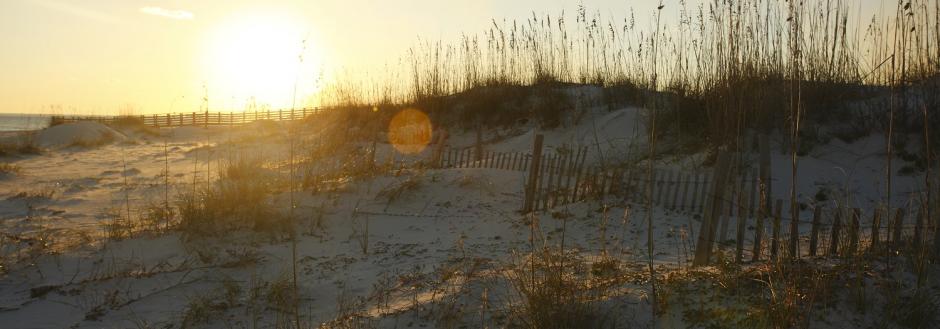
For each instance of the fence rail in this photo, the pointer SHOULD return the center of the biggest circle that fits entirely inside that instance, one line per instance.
(203, 119)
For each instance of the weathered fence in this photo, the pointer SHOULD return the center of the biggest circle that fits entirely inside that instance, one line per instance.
(737, 215)
(203, 119)
(563, 177)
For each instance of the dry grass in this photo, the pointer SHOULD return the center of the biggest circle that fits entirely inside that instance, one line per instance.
(240, 199)
(795, 295)
(716, 74)
(397, 190)
(25, 145)
(554, 291)
(9, 169)
(103, 140)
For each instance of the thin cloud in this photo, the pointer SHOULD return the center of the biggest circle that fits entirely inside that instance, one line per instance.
(167, 13)
(76, 10)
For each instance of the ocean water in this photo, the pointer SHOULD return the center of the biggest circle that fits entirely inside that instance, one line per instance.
(20, 122)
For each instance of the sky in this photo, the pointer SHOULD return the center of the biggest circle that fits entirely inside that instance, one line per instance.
(162, 56)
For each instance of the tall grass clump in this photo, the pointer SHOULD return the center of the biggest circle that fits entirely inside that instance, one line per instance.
(551, 291)
(239, 199)
(722, 70)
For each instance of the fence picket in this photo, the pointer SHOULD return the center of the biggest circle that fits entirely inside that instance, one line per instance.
(836, 231)
(814, 233)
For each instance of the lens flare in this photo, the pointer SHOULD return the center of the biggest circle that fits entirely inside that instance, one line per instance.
(410, 131)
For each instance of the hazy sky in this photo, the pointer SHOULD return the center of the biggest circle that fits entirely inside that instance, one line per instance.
(102, 56)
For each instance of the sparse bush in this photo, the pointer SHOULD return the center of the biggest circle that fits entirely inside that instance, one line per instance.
(105, 139)
(25, 144)
(280, 295)
(554, 292)
(239, 199)
(201, 309)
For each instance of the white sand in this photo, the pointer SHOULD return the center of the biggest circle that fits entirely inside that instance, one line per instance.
(455, 217)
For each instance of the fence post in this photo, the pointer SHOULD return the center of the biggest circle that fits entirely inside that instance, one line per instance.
(577, 178)
(898, 227)
(437, 160)
(765, 172)
(919, 229)
(533, 174)
(793, 244)
(739, 239)
(478, 146)
(876, 229)
(539, 186)
(758, 233)
(836, 230)
(551, 182)
(724, 217)
(814, 235)
(572, 165)
(751, 209)
(706, 238)
(775, 242)
(853, 233)
(616, 184)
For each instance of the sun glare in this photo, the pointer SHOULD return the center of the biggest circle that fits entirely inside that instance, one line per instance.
(257, 56)
(409, 131)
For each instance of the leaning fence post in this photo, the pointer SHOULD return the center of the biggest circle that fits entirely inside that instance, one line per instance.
(814, 235)
(438, 158)
(706, 240)
(836, 230)
(550, 169)
(540, 177)
(579, 168)
(533, 174)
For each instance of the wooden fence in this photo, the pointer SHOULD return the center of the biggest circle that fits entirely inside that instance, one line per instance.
(563, 178)
(202, 119)
(731, 212)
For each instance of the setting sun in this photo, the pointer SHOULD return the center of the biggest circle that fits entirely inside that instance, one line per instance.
(257, 56)
(529, 164)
